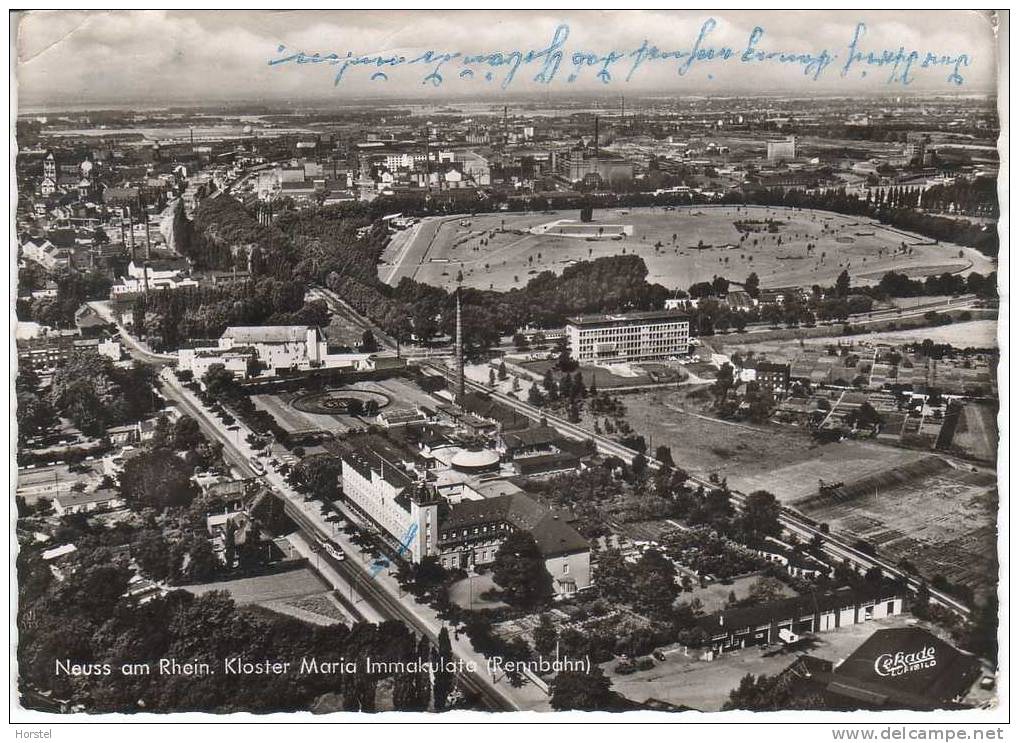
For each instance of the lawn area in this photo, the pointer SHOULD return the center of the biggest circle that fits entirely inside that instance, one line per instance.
(619, 375)
(703, 446)
(715, 597)
(287, 584)
(466, 593)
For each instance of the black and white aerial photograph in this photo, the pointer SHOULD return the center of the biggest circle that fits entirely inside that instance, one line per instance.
(508, 365)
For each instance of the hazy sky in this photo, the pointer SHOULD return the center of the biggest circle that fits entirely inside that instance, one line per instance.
(197, 57)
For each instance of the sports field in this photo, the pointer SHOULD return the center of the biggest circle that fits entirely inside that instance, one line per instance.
(680, 246)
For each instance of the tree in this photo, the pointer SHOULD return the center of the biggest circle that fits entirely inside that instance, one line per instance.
(724, 381)
(587, 692)
(186, 433)
(864, 416)
(443, 683)
(639, 466)
(772, 693)
(550, 385)
(654, 584)
(519, 570)
(842, 284)
(545, 636)
(230, 544)
(34, 415)
(765, 589)
(368, 342)
(200, 562)
(664, 455)
(318, 476)
(565, 362)
(753, 285)
(502, 371)
(219, 382)
(760, 517)
(157, 479)
(152, 553)
(534, 396)
(613, 576)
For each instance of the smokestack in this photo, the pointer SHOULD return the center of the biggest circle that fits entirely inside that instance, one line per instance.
(130, 222)
(459, 350)
(505, 125)
(622, 107)
(596, 136)
(148, 241)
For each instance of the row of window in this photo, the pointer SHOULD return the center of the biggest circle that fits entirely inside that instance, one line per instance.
(485, 529)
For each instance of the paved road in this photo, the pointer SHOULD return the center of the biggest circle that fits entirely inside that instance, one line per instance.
(340, 307)
(351, 577)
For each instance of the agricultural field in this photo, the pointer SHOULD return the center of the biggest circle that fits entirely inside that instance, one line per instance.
(977, 432)
(970, 334)
(847, 461)
(909, 504)
(940, 518)
(681, 246)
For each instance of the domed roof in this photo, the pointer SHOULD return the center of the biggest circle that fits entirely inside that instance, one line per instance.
(475, 460)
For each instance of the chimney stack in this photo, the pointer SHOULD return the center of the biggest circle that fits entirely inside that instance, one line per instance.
(596, 136)
(459, 351)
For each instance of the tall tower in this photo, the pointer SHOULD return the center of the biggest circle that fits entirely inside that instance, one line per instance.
(596, 136)
(459, 350)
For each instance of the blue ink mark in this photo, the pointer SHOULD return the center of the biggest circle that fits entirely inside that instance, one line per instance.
(403, 549)
(902, 64)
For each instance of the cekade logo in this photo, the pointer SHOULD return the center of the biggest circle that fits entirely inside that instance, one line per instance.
(899, 664)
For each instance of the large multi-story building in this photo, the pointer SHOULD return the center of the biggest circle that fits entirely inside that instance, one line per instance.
(404, 511)
(391, 492)
(635, 336)
(274, 347)
(279, 346)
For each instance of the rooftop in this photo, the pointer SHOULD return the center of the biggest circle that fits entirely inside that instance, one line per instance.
(630, 317)
(267, 333)
(904, 665)
(550, 529)
(731, 620)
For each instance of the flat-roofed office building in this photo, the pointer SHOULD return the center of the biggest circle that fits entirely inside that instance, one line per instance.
(634, 336)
